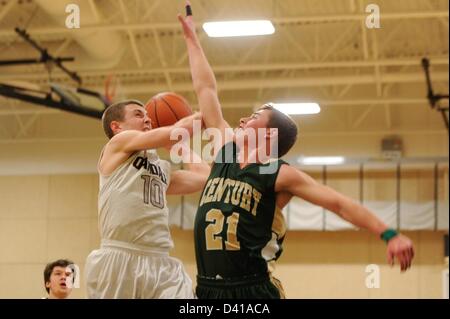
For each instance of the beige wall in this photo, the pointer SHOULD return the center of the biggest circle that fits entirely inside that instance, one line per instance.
(45, 217)
(333, 265)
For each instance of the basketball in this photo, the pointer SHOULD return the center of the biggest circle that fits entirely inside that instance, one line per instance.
(165, 109)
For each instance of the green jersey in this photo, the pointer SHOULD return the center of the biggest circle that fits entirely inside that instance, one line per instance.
(238, 228)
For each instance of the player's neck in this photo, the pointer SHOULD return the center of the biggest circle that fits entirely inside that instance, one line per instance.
(248, 156)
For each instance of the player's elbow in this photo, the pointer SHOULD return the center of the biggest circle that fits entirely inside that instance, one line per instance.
(346, 208)
(336, 206)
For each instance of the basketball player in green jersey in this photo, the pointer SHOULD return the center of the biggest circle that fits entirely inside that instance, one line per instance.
(239, 228)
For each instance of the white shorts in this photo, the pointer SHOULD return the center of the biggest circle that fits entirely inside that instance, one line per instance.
(126, 271)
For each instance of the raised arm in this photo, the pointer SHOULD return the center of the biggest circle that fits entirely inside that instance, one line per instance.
(203, 77)
(302, 185)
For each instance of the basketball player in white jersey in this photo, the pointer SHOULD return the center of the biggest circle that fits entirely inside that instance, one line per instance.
(133, 260)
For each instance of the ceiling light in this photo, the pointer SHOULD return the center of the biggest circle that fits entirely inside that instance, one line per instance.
(297, 108)
(238, 28)
(321, 160)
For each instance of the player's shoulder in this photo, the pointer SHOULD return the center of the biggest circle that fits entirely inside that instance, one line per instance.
(286, 171)
(289, 174)
(165, 164)
(123, 136)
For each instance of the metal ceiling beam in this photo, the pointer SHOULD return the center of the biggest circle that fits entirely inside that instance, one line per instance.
(377, 68)
(443, 21)
(331, 47)
(364, 37)
(151, 8)
(441, 60)
(25, 127)
(365, 46)
(134, 47)
(361, 118)
(162, 59)
(256, 83)
(296, 44)
(7, 8)
(94, 9)
(251, 104)
(281, 20)
(362, 16)
(98, 139)
(375, 101)
(29, 112)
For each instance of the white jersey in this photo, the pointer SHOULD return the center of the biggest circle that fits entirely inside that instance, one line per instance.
(132, 202)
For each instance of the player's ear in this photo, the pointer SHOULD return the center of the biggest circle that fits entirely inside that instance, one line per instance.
(115, 126)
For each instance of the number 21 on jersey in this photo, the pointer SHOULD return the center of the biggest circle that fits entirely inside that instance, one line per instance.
(214, 240)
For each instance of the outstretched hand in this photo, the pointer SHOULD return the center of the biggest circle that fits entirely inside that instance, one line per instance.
(183, 126)
(401, 248)
(188, 122)
(187, 22)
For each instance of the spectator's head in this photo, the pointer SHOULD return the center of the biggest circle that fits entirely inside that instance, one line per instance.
(58, 278)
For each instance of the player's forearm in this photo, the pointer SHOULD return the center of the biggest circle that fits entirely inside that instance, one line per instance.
(361, 217)
(201, 71)
(186, 182)
(205, 85)
(202, 169)
(155, 138)
(194, 163)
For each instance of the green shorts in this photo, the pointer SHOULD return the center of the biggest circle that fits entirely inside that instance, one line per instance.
(250, 287)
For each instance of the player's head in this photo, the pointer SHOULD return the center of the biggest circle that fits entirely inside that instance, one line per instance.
(56, 276)
(269, 117)
(125, 115)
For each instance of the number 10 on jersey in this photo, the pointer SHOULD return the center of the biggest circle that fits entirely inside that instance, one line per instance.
(153, 191)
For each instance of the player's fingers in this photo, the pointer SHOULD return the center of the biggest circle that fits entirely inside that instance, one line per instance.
(181, 19)
(409, 258)
(390, 258)
(188, 9)
(405, 259)
(183, 23)
(401, 261)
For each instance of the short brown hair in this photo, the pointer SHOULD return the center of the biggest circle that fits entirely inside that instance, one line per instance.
(114, 112)
(287, 129)
(49, 269)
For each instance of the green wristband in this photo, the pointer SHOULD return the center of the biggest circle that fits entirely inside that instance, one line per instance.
(388, 234)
